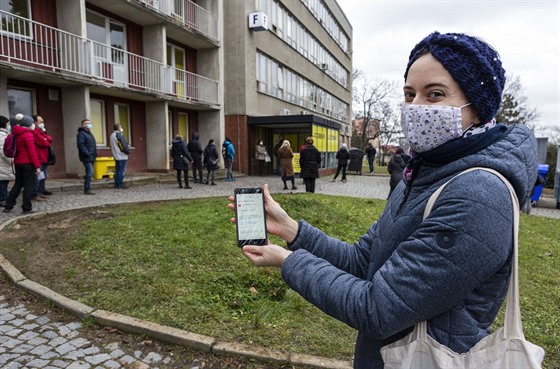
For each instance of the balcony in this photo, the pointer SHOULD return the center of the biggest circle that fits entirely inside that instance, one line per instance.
(28, 43)
(189, 14)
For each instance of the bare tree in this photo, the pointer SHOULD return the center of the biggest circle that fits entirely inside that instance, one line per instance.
(370, 98)
(515, 106)
(389, 129)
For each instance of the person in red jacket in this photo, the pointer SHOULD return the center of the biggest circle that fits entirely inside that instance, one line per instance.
(26, 163)
(42, 143)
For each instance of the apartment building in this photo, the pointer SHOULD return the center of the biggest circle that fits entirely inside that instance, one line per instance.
(247, 69)
(288, 74)
(154, 66)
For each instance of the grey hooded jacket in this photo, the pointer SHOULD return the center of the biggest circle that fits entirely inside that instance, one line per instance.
(451, 269)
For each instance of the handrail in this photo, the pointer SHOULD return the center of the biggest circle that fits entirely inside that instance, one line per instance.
(189, 14)
(28, 42)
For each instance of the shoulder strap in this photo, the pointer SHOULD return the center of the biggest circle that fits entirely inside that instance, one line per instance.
(512, 319)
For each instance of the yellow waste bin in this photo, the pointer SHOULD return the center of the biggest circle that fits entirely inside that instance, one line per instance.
(104, 166)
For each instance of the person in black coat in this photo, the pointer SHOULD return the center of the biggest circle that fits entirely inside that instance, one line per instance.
(181, 160)
(211, 161)
(343, 156)
(195, 149)
(87, 151)
(396, 167)
(309, 162)
(371, 152)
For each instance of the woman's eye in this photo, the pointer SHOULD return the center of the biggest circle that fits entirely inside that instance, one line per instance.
(436, 95)
(408, 96)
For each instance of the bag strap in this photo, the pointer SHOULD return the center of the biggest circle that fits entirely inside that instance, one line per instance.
(512, 318)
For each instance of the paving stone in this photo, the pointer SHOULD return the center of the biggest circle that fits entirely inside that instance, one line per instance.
(37, 341)
(60, 363)
(152, 357)
(29, 327)
(4, 358)
(91, 350)
(79, 365)
(42, 320)
(57, 341)
(14, 332)
(38, 363)
(13, 365)
(6, 328)
(22, 348)
(97, 358)
(18, 322)
(65, 348)
(79, 342)
(50, 334)
(115, 354)
(27, 336)
(112, 364)
(41, 350)
(11, 343)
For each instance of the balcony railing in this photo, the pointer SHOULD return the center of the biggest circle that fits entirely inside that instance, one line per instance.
(189, 14)
(27, 42)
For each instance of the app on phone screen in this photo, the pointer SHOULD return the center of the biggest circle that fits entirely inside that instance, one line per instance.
(250, 216)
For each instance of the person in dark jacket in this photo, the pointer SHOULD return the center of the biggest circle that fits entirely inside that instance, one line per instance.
(26, 163)
(211, 160)
(343, 156)
(309, 162)
(195, 149)
(181, 160)
(452, 268)
(396, 168)
(371, 152)
(87, 150)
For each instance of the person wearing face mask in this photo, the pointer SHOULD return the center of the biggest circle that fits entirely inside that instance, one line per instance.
(42, 143)
(26, 164)
(260, 155)
(6, 173)
(450, 269)
(87, 151)
(120, 151)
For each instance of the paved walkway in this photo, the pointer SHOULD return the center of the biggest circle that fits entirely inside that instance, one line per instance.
(31, 341)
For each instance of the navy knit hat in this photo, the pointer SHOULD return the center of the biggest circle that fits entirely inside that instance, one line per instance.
(3, 121)
(472, 63)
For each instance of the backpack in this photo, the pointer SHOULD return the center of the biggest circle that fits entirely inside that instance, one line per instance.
(225, 150)
(10, 146)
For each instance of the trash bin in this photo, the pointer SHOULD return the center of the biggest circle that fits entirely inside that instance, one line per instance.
(104, 166)
(356, 159)
(543, 171)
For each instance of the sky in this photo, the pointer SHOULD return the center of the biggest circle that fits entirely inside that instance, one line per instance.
(526, 34)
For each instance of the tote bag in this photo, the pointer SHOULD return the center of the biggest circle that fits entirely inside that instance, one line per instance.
(504, 349)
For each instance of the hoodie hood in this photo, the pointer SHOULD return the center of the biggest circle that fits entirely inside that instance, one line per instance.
(195, 136)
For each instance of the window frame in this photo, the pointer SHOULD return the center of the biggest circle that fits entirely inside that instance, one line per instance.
(28, 24)
(102, 124)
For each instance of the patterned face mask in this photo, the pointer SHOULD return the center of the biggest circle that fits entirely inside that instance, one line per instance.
(429, 126)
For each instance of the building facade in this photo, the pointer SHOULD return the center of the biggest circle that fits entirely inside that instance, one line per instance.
(288, 74)
(167, 67)
(154, 66)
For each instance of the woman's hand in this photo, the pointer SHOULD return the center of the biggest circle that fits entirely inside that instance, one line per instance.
(278, 222)
(266, 256)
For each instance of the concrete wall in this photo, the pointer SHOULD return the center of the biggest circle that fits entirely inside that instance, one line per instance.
(155, 43)
(157, 136)
(75, 108)
(4, 108)
(71, 16)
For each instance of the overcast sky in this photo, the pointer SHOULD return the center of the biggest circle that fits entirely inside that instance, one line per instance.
(526, 34)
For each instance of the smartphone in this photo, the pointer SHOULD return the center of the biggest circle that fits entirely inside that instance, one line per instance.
(250, 215)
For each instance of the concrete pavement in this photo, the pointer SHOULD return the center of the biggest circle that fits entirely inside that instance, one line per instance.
(31, 341)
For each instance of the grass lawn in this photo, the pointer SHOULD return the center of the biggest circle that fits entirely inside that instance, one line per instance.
(176, 263)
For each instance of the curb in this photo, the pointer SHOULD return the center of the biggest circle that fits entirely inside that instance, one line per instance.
(164, 333)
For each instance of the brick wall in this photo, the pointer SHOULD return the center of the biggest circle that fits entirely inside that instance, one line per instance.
(236, 128)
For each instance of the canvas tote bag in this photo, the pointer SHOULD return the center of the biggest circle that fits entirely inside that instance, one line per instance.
(504, 349)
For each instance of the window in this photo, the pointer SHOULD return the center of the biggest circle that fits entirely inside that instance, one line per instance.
(176, 59)
(97, 118)
(12, 23)
(20, 101)
(183, 126)
(261, 73)
(122, 117)
(109, 34)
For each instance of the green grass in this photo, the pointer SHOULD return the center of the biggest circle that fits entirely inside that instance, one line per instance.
(176, 264)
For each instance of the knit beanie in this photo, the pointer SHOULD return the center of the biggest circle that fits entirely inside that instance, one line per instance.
(3, 121)
(472, 63)
(26, 121)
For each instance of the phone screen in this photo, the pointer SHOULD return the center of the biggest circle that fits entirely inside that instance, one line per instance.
(251, 223)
